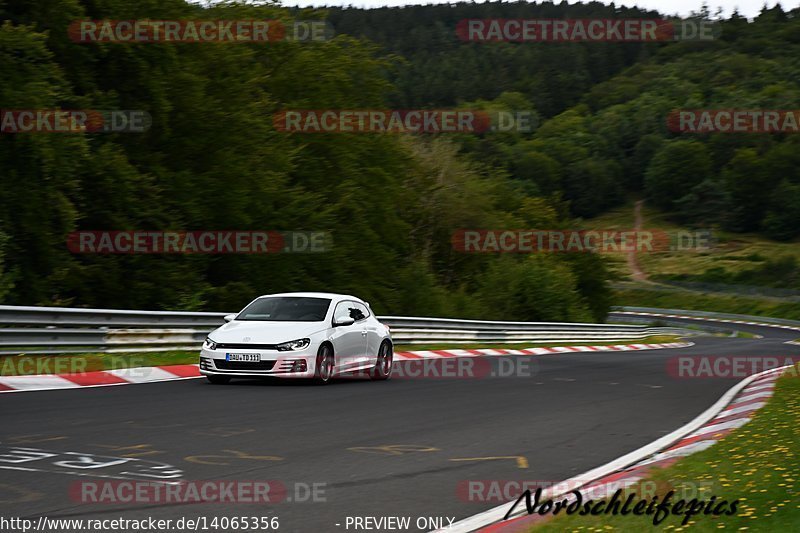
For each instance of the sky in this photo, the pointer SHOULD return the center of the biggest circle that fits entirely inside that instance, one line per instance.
(748, 8)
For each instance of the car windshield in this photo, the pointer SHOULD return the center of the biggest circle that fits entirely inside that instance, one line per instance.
(286, 309)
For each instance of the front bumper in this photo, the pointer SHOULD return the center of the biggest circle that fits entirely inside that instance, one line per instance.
(300, 364)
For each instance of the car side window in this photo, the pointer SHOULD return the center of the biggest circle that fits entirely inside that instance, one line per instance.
(342, 311)
(349, 309)
(362, 310)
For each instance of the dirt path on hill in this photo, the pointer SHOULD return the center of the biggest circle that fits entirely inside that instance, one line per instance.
(633, 259)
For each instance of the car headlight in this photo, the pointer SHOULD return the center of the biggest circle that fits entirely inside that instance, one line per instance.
(292, 346)
(209, 344)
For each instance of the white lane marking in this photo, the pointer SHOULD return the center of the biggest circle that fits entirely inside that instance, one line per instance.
(86, 474)
(742, 409)
(754, 396)
(683, 451)
(715, 428)
(759, 387)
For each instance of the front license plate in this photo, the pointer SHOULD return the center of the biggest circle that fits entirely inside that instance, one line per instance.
(244, 357)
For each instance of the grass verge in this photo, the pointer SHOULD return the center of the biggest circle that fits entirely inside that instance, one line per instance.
(758, 464)
(699, 301)
(654, 339)
(22, 365)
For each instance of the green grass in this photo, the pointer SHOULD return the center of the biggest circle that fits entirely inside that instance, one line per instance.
(758, 464)
(733, 251)
(21, 365)
(700, 301)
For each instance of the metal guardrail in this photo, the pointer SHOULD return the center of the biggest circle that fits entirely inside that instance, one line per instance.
(709, 315)
(71, 330)
(70, 316)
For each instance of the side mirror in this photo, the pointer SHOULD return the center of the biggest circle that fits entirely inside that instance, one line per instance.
(228, 318)
(343, 321)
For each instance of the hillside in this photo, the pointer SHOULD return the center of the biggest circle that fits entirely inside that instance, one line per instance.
(212, 158)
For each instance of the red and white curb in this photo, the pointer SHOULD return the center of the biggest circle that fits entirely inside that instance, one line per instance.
(733, 410)
(128, 376)
(426, 354)
(707, 319)
(105, 378)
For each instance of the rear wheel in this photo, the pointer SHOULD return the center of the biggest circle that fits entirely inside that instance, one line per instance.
(323, 372)
(218, 380)
(383, 366)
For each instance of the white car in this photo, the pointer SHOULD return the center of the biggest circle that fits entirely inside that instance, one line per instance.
(299, 335)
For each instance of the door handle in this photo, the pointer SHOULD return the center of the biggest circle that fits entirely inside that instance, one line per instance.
(364, 333)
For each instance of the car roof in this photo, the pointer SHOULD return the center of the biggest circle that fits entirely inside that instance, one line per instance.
(331, 295)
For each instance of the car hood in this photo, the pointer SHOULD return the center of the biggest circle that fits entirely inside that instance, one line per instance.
(257, 332)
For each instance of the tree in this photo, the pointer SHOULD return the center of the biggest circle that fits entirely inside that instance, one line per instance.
(749, 185)
(674, 170)
(782, 220)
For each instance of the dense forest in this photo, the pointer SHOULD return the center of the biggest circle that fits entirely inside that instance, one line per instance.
(213, 160)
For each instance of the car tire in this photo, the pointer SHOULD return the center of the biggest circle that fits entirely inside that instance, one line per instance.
(219, 380)
(383, 366)
(323, 370)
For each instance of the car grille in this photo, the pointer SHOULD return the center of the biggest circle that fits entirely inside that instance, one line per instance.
(228, 346)
(242, 365)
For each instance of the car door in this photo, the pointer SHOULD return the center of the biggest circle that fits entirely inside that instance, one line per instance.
(366, 358)
(374, 335)
(348, 341)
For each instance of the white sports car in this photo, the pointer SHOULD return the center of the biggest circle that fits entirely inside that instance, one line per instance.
(299, 335)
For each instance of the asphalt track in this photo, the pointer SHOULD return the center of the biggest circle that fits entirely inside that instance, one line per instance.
(379, 448)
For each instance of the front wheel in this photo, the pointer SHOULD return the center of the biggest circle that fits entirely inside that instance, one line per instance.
(219, 380)
(383, 366)
(325, 363)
